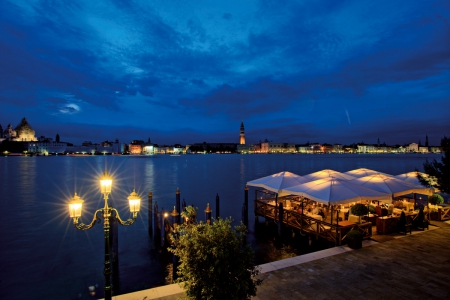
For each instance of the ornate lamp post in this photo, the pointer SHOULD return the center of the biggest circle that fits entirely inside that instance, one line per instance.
(75, 209)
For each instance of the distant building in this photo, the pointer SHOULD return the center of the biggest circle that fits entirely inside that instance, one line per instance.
(136, 147)
(148, 148)
(413, 147)
(423, 150)
(108, 147)
(337, 148)
(242, 135)
(272, 147)
(46, 146)
(327, 148)
(22, 133)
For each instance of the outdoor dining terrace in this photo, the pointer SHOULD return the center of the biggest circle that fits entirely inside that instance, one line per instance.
(317, 220)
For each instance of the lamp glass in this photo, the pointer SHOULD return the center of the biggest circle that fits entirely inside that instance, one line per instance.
(105, 183)
(134, 201)
(75, 206)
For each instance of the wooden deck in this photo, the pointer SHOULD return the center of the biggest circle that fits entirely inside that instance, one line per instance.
(335, 232)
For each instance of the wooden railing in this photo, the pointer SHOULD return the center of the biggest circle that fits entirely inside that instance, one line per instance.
(332, 232)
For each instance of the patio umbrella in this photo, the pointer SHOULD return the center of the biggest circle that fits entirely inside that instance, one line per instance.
(361, 172)
(278, 181)
(335, 191)
(391, 185)
(411, 177)
(327, 173)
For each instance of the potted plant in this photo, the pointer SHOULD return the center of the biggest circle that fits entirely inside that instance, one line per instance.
(436, 199)
(355, 238)
(359, 210)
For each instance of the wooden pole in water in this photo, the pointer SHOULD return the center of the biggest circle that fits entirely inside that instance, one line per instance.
(177, 204)
(155, 220)
(174, 265)
(163, 228)
(217, 206)
(208, 212)
(150, 212)
(183, 208)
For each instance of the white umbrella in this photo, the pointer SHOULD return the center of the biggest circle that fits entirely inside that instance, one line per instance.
(278, 181)
(361, 172)
(411, 177)
(327, 173)
(391, 185)
(335, 191)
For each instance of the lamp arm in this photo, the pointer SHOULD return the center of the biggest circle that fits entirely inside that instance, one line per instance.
(122, 222)
(96, 219)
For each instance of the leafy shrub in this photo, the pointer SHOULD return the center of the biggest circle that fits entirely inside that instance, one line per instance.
(359, 209)
(215, 263)
(354, 235)
(436, 199)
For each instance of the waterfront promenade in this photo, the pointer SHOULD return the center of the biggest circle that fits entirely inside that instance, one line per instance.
(391, 266)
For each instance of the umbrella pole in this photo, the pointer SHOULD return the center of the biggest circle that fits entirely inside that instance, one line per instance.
(331, 213)
(337, 226)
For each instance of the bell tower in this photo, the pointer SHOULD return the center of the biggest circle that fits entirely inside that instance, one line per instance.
(242, 135)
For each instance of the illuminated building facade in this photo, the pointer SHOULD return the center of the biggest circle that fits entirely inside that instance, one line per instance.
(22, 133)
(242, 135)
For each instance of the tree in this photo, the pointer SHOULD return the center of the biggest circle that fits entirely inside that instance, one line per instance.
(214, 261)
(439, 172)
(436, 199)
(359, 210)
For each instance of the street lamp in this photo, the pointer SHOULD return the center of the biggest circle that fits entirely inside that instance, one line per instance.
(75, 209)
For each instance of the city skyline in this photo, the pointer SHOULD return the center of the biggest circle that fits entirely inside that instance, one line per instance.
(192, 72)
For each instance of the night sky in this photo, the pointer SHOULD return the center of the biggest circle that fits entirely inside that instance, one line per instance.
(191, 71)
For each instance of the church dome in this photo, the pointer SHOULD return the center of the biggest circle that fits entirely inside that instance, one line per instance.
(24, 130)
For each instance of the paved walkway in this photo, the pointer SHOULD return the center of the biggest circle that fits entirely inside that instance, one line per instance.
(413, 266)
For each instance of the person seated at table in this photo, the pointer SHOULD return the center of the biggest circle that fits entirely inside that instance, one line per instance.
(390, 209)
(321, 213)
(315, 210)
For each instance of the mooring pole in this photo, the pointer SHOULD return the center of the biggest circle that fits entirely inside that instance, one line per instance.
(163, 227)
(175, 216)
(208, 212)
(174, 264)
(150, 212)
(217, 206)
(183, 209)
(177, 202)
(155, 220)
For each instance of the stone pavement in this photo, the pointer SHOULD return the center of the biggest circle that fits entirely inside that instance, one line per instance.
(412, 267)
(407, 267)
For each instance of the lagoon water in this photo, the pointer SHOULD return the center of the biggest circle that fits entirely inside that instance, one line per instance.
(42, 255)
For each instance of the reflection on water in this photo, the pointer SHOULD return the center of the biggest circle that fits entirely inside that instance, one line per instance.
(42, 249)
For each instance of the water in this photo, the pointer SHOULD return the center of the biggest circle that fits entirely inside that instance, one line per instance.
(42, 255)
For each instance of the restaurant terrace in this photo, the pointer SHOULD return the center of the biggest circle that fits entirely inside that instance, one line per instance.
(320, 204)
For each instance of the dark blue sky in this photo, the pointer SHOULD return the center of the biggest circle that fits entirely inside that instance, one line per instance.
(191, 71)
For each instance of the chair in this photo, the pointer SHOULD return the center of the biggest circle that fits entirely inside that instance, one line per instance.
(403, 225)
(378, 211)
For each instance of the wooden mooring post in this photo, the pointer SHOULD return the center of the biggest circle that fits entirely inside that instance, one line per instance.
(150, 212)
(217, 206)
(177, 204)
